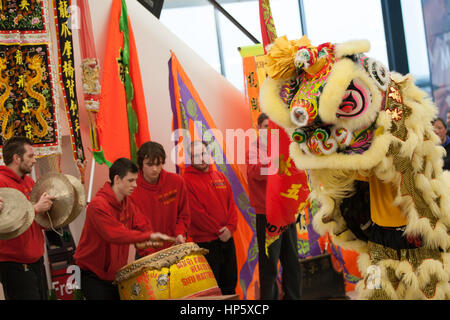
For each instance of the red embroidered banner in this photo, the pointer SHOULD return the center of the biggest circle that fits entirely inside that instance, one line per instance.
(268, 31)
(288, 190)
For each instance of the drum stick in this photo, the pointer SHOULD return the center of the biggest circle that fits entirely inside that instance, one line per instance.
(151, 243)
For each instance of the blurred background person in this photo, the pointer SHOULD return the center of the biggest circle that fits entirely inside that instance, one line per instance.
(440, 129)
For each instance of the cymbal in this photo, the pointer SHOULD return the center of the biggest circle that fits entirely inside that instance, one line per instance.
(79, 199)
(17, 213)
(57, 185)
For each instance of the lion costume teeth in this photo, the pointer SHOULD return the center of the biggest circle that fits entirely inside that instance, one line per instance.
(357, 127)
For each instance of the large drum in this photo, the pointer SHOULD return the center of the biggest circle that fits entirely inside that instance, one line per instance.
(177, 272)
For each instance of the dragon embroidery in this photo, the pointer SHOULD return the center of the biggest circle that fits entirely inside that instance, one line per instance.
(35, 64)
(7, 132)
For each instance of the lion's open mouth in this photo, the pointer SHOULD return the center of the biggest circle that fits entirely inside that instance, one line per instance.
(324, 139)
(315, 139)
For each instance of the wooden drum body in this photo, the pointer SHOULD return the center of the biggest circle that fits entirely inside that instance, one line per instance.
(177, 272)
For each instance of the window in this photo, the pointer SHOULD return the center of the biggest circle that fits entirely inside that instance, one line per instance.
(346, 20)
(209, 33)
(195, 25)
(216, 39)
(247, 14)
(286, 17)
(416, 42)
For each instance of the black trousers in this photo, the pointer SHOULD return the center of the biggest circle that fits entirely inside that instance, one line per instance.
(94, 288)
(285, 250)
(222, 260)
(24, 281)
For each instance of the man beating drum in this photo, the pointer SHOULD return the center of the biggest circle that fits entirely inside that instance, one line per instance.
(161, 195)
(113, 222)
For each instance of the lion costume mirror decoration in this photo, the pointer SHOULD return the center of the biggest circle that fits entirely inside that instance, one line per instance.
(375, 165)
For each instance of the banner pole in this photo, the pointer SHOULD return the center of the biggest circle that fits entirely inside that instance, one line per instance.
(91, 180)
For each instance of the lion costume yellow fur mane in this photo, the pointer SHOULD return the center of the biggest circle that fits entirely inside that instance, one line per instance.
(363, 133)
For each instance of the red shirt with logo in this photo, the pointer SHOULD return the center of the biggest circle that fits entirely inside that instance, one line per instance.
(164, 205)
(29, 246)
(211, 203)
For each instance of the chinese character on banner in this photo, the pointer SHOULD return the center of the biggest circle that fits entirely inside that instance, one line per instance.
(67, 79)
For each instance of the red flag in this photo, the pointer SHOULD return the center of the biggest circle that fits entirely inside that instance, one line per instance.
(269, 34)
(122, 118)
(288, 190)
(289, 186)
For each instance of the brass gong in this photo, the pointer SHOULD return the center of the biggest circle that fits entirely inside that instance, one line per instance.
(16, 215)
(79, 199)
(57, 185)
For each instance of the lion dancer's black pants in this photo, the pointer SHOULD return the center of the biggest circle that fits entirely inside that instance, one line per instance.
(392, 237)
(285, 250)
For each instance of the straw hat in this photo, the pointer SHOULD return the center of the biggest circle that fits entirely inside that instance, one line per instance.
(58, 186)
(17, 213)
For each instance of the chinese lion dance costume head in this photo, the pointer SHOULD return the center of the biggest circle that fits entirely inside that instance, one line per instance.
(375, 165)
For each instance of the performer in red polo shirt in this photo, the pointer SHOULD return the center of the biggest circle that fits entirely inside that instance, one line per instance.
(113, 222)
(213, 216)
(284, 249)
(22, 270)
(161, 195)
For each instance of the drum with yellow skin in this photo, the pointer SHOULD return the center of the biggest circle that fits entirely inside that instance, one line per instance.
(177, 272)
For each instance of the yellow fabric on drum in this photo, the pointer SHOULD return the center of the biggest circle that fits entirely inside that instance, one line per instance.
(190, 276)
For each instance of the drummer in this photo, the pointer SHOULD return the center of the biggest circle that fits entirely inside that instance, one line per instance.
(161, 195)
(22, 270)
(112, 223)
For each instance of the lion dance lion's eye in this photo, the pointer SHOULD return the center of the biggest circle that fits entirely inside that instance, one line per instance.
(303, 58)
(303, 112)
(356, 101)
(322, 53)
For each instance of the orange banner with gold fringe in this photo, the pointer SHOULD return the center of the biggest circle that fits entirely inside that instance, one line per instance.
(252, 88)
(191, 120)
(254, 76)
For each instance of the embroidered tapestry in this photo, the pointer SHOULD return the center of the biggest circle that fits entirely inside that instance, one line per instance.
(28, 94)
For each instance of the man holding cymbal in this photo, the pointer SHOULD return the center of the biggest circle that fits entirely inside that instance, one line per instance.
(22, 270)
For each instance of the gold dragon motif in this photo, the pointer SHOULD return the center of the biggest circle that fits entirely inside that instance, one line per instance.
(35, 63)
(4, 113)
